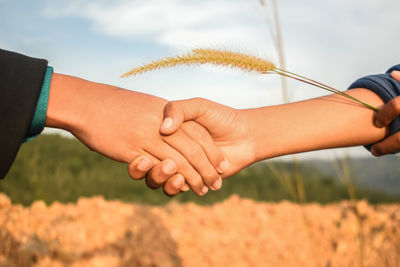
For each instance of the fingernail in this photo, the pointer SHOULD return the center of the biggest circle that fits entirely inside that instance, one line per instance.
(204, 190)
(223, 166)
(169, 168)
(144, 165)
(217, 185)
(378, 124)
(185, 188)
(167, 123)
(178, 182)
(375, 152)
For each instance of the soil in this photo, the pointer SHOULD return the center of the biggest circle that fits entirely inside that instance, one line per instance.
(236, 232)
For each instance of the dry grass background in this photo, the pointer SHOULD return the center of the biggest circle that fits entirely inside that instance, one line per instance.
(236, 232)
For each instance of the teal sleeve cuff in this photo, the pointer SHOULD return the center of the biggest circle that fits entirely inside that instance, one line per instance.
(39, 117)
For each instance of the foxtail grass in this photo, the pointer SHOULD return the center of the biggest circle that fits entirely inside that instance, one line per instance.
(234, 60)
(208, 56)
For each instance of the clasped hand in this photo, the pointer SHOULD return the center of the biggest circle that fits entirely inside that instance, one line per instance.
(230, 130)
(235, 131)
(193, 144)
(124, 125)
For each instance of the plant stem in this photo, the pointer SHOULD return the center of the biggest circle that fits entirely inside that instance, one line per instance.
(279, 46)
(320, 85)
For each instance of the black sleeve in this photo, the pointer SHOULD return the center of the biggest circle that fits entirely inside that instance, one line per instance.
(384, 86)
(21, 79)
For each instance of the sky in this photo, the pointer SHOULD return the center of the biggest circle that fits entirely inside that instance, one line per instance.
(335, 42)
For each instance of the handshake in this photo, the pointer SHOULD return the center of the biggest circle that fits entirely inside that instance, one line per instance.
(196, 143)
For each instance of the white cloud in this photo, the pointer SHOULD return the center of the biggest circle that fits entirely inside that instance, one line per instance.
(173, 23)
(331, 41)
(226, 36)
(335, 42)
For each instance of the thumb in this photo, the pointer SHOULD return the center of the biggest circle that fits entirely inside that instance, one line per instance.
(396, 75)
(177, 112)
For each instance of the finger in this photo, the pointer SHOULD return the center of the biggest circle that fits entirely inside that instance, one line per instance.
(388, 112)
(396, 75)
(201, 136)
(389, 145)
(157, 176)
(195, 155)
(391, 110)
(192, 177)
(185, 188)
(162, 172)
(174, 185)
(176, 112)
(138, 168)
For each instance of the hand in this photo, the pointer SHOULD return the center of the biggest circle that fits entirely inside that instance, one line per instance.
(124, 125)
(247, 136)
(229, 128)
(202, 137)
(383, 118)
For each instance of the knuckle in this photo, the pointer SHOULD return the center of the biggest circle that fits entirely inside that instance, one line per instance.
(181, 164)
(195, 182)
(210, 176)
(190, 125)
(172, 105)
(191, 176)
(154, 179)
(397, 140)
(198, 99)
(197, 132)
(202, 133)
(194, 152)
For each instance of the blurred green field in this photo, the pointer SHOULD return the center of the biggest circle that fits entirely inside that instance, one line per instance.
(54, 168)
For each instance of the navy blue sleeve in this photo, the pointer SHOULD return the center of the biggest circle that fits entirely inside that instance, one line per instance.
(384, 86)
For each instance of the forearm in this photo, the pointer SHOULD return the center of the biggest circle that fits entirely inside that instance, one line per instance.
(124, 126)
(101, 115)
(65, 101)
(72, 101)
(320, 123)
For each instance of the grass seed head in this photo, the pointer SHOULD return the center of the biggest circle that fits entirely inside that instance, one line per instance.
(234, 60)
(207, 56)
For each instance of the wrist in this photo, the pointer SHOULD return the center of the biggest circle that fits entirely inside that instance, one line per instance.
(258, 135)
(271, 131)
(326, 122)
(65, 107)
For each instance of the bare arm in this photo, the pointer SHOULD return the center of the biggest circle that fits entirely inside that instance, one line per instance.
(250, 135)
(320, 123)
(124, 126)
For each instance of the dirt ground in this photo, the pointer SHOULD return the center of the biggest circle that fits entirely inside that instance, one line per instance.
(236, 232)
